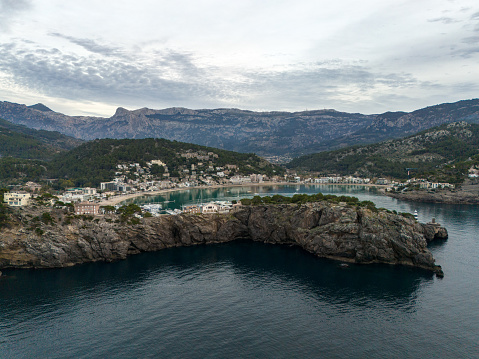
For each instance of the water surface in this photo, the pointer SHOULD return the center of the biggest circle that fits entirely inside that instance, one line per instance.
(253, 300)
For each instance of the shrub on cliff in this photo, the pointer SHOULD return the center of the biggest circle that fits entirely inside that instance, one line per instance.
(305, 198)
(127, 211)
(407, 215)
(4, 211)
(47, 218)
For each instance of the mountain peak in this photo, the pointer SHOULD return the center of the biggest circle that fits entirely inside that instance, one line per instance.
(121, 111)
(40, 107)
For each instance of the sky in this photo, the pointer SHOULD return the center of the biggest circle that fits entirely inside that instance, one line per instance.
(89, 57)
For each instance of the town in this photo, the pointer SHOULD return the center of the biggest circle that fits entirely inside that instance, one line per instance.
(154, 177)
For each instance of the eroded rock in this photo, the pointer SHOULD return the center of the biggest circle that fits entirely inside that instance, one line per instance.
(324, 229)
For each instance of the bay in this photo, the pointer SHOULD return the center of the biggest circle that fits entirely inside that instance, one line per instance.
(251, 300)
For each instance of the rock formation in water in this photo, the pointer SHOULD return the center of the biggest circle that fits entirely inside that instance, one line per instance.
(342, 232)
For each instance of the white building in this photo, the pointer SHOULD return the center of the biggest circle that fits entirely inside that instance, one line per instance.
(210, 208)
(256, 178)
(17, 199)
(240, 179)
(108, 186)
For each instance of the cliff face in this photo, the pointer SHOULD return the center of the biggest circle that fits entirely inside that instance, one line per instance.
(331, 231)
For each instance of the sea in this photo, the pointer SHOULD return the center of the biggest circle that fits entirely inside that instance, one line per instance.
(252, 300)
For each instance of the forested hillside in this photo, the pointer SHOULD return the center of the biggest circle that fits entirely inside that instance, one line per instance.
(23, 142)
(443, 153)
(96, 161)
(23, 150)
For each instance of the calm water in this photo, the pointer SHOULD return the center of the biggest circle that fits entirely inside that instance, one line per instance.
(251, 300)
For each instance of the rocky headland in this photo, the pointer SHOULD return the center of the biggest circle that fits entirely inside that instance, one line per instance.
(337, 231)
(466, 194)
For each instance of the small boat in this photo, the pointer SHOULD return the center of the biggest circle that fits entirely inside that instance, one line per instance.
(344, 265)
(415, 215)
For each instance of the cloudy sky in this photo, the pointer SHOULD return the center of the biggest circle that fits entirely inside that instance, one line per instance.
(369, 56)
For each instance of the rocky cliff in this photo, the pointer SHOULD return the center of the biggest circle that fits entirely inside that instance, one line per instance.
(327, 230)
(467, 194)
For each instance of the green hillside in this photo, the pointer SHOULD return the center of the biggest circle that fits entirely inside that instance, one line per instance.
(17, 170)
(96, 161)
(443, 153)
(23, 142)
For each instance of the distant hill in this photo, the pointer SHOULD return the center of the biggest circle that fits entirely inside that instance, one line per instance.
(96, 161)
(442, 153)
(286, 134)
(23, 142)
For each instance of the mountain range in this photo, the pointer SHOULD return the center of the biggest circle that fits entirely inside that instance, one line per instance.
(282, 134)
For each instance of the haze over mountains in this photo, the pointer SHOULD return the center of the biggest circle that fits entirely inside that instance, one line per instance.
(265, 133)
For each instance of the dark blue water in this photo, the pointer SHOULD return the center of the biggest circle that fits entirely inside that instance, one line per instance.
(252, 300)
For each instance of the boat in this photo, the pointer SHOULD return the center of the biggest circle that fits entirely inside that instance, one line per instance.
(415, 215)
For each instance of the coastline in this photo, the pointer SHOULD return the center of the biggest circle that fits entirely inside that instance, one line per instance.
(437, 197)
(118, 199)
(329, 230)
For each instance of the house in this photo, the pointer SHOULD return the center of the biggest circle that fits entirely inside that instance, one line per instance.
(157, 162)
(382, 181)
(210, 208)
(192, 209)
(17, 199)
(89, 191)
(87, 208)
(34, 187)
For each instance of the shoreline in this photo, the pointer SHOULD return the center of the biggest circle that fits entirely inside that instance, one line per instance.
(122, 198)
(314, 226)
(438, 197)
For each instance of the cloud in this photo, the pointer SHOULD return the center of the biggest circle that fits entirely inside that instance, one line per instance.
(100, 77)
(343, 86)
(90, 45)
(444, 20)
(167, 78)
(9, 9)
(471, 40)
